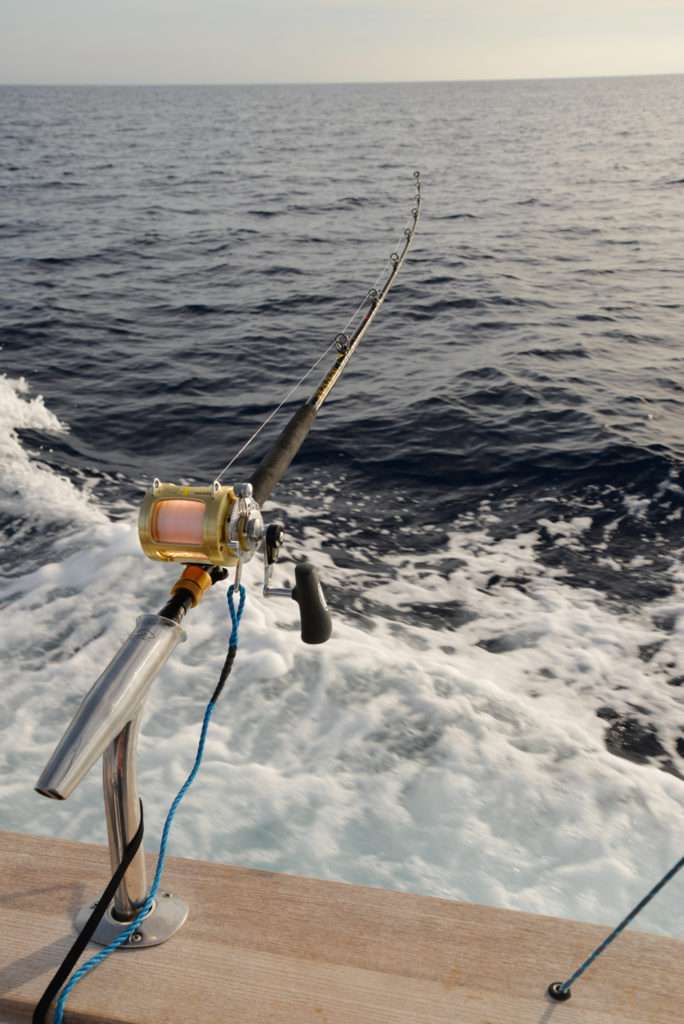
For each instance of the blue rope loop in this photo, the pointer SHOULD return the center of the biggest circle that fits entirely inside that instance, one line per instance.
(235, 616)
(148, 905)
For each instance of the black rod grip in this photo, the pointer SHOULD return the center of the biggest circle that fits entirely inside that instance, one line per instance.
(313, 611)
(273, 467)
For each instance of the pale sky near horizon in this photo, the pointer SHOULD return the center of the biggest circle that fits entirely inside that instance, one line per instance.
(225, 41)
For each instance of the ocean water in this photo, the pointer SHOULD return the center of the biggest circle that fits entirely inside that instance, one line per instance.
(493, 494)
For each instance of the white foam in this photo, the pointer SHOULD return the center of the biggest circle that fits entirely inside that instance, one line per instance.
(636, 506)
(400, 755)
(566, 532)
(27, 485)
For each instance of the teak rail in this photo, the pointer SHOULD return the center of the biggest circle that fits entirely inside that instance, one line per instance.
(267, 948)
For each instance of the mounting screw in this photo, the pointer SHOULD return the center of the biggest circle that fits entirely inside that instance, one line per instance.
(135, 937)
(557, 992)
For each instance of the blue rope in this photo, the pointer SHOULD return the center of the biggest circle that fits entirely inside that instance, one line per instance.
(565, 986)
(90, 965)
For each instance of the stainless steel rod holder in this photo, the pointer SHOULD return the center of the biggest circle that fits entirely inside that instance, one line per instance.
(122, 814)
(107, 724)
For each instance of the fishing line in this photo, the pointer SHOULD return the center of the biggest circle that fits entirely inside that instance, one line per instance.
(274, 413)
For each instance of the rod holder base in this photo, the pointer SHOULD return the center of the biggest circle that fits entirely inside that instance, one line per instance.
(167, 916)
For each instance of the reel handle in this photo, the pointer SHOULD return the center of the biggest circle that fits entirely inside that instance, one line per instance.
(313, 611)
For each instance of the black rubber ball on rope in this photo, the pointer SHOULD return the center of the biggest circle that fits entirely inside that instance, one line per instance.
(557, 992)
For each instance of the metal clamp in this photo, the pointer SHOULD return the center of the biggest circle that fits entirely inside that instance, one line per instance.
(273, 541)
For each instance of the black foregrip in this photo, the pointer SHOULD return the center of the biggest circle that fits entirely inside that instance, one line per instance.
(274, 466)
(313, 611)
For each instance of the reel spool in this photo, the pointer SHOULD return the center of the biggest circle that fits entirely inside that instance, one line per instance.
(218, 525)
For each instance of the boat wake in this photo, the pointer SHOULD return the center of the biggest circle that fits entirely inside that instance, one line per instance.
(457, 736)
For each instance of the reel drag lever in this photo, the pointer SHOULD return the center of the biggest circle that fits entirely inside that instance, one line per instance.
(314, 617)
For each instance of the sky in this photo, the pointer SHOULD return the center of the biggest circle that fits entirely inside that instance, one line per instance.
(226, 41)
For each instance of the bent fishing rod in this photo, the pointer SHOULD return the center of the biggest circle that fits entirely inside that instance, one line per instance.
(226, 521)
(211, 530)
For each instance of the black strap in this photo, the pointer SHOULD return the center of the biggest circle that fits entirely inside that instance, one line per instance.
(225, 672)
(70, 960)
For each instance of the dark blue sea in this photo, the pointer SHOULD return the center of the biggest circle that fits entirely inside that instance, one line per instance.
(493, 494)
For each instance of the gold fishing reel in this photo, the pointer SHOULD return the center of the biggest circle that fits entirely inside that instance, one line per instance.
(218, 525)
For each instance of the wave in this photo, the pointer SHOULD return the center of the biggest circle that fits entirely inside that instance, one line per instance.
(489, 431)
(30, 490)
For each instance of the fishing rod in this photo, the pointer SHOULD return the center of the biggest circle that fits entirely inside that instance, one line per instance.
(211, 530)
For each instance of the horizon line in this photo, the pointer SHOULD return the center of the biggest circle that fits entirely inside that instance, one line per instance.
(389, 81)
